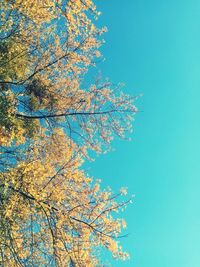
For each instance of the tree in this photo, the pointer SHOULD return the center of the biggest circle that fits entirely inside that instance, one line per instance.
(52, 213)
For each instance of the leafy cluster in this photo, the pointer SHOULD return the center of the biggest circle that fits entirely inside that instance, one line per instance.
(51, 212)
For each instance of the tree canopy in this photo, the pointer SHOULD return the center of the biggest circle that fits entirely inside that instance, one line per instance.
(51, 212)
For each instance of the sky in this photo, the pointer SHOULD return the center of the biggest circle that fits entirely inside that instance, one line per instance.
(154, 48)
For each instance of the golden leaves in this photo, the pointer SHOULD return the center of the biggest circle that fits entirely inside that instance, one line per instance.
(51, 190)
(51, 211)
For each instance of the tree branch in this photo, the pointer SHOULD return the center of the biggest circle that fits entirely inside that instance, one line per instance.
(21, 115)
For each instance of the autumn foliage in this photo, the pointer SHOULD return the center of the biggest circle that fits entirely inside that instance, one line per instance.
(51, 119)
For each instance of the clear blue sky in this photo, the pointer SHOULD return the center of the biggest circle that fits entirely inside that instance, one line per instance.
(154, 47)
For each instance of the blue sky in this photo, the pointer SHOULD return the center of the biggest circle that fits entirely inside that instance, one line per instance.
(154, 48)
